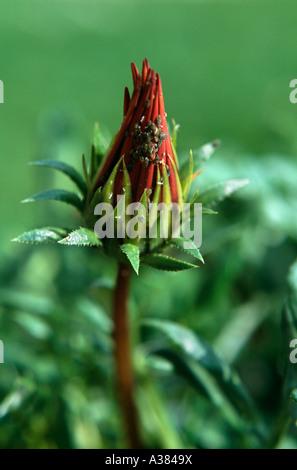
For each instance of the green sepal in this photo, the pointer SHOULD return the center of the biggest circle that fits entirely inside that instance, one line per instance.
(166, 263)
(126, 185)
(208, 211)
(81, 237)
(100, 148)
(179, 186)
(154, 215)
(86, 173)
(57, 195)
(144, 204)
(166, 187)
(186, 182)
(175, 128)
(205, 210)
(41, 235)
(107, 190)
(133, 254)
(166, 200)
(68, 170)
(102, 161)
(180, 242)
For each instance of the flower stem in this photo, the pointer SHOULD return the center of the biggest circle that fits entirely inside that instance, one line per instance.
(123, 364)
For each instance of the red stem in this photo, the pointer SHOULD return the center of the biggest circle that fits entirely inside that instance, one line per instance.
(124, 371)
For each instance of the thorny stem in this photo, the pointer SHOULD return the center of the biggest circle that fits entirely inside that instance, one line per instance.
(124, 371)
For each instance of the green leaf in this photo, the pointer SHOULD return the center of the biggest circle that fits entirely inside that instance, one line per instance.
(166, 187)
(42, 235)
(175, 128)
(18, 397)
(57, 195)
(186, 341)
(81, 237)
(178, 183)
(292, 278)
(208, 211)
(192, 250)
(200, 156)
(204, 153)
(26, 301)
(107, 190)
(86, 173)
(68, 170)
(166, 263)
(186, 182)
(132, 253)
(220, 191)
(202, 381)
(99, 143)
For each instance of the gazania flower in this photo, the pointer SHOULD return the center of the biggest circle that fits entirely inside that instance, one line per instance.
(143, 143)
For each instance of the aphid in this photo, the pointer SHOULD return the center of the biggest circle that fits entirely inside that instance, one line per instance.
(158, 120)
(147, 103)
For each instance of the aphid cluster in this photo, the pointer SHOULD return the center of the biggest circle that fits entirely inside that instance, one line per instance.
(146, 142)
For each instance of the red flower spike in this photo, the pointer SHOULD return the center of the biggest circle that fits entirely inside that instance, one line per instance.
(143, 140)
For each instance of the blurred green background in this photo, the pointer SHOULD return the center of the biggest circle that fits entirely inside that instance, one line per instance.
(225, 68)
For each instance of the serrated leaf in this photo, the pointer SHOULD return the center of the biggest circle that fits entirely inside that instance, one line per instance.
(68, 170)
(166, 263)
(132, 253)
(81, 237)
(42, 235)
(195, 347)
(219, 191)
(191, 247)
(57, 195)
